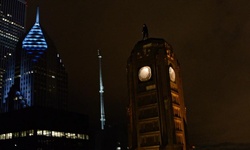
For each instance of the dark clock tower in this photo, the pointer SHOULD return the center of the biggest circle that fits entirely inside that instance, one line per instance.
(157, 113)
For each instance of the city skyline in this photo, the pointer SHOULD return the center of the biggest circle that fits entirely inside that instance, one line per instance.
(34, 114)
(39, 77)
(209, 38)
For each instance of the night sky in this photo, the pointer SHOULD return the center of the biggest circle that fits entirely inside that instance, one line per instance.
(211, 39)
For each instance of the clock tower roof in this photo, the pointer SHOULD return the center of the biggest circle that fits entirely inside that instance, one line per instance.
(149, 43)
(152, 44)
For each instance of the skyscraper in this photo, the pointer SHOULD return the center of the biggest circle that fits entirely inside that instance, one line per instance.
(157, 113)
(36, 115)
(40, 76)
(12, 27)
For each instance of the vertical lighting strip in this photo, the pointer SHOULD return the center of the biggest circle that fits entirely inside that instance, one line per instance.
(101, 91)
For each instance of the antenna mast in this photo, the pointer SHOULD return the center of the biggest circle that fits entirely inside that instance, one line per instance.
(101, 91)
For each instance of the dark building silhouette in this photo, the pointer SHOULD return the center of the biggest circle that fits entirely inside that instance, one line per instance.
(12, 27)
(35, 110)
(157, 113)
(43, 128)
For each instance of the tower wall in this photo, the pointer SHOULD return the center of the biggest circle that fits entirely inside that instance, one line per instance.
(156, 105)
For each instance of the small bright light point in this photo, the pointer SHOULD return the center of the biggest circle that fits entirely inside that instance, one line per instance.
(118, 148)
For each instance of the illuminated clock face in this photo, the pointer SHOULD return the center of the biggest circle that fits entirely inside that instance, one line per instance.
(144, 73)
(171, 74)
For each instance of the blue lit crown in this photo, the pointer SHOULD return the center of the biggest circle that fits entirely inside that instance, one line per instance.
(35, 39)
(41, 76)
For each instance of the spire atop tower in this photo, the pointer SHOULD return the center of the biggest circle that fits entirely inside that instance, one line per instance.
(37, 15)
(101, 91)
(35, 39)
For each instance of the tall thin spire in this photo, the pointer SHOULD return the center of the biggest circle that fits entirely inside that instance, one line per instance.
(37, 15)
(101, 91)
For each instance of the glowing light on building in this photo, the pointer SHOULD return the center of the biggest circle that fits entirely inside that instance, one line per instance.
(101, 91)
(35, 39)
(48, 133)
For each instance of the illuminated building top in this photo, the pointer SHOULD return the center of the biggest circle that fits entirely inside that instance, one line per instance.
(40, 75)
(35, 85)
(35, 39)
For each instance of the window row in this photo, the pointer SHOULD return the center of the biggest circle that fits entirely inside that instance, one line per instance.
(48, 133)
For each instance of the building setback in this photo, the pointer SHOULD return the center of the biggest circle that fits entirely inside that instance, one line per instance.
(157, 113)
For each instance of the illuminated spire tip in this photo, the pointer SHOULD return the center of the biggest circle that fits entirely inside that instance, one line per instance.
(37, 15)
(99, 54)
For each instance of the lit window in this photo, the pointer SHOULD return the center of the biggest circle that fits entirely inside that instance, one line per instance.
(39, 132)
(118, 148)
(16, 135)
(46, 132)
(57, 134)
(80, 136)
(23, 134)
(8, 136)
(30, 132)
(87, 137)
(2, 136)
(71, 135)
